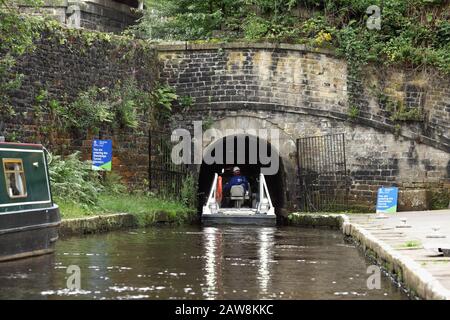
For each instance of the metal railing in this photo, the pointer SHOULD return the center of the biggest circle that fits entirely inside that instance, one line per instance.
(263, 206)
(165, 177)
(322, 173)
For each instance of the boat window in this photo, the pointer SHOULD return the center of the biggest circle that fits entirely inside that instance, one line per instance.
(15, 178)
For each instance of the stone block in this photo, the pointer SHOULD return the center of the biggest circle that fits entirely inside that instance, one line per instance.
(413, 200)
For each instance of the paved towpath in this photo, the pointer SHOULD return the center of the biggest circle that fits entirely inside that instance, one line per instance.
(412, 234)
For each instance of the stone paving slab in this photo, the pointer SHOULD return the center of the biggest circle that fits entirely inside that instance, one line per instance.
(411, 239)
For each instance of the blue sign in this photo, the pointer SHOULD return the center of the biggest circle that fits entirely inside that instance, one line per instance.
(102, 155)
(387, 200)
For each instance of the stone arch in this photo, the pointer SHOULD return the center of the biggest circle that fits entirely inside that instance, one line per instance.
(305, 93)
(253, 129)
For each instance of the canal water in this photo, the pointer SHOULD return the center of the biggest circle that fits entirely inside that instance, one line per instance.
(199, 263)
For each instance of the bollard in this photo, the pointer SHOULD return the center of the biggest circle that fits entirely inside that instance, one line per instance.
(436, 234)
(404, 223)
(381, 215)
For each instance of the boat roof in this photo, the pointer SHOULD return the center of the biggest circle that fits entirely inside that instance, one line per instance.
(17, 145)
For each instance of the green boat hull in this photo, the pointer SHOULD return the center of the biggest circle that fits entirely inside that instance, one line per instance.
(28, 233)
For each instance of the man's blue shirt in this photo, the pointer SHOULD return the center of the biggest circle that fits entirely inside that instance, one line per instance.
(236, 181)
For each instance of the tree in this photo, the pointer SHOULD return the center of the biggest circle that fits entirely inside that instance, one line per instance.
(186, 19)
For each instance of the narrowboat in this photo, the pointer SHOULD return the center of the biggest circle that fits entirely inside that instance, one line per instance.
(259, 211)
(29, 219)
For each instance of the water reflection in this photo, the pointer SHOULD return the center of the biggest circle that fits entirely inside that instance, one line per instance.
(265, 253)
(17, 276)
(198, 263)
(216, 249)
(213, 248)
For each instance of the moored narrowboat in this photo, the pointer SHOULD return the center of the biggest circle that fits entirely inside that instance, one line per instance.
(29, 219)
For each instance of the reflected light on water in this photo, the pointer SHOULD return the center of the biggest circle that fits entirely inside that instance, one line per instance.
(265, 253)
(210, 242)
(237, 262)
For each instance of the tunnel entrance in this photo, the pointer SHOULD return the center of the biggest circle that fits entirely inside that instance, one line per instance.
(250, 166)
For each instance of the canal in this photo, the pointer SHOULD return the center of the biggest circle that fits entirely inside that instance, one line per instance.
(199, 263)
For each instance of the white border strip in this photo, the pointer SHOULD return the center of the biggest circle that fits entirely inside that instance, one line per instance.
(47, 176)
(21, 150)
(23, 204)
(55, 206)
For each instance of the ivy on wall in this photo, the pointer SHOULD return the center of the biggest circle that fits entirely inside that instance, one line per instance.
(412, 34)
(17, 34)
(120, 105)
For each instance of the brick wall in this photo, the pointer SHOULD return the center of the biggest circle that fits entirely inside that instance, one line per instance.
(299, 91)
(67, 64)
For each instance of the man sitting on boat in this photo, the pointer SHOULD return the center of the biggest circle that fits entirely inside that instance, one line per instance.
(236, 180)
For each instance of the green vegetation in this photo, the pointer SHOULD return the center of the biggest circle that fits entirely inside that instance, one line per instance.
(397, 130)
(73, 180)
(411, 244)
(16, 38)
(404, 114)
(353, 112)
(440, 199)
(121, 107)
(397, 110)
(413, 32)
(144, 207)
(188, 195)
(207, 123)
(164, 98)
(81, 192)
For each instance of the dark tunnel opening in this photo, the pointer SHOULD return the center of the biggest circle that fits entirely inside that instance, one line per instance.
(249, 168)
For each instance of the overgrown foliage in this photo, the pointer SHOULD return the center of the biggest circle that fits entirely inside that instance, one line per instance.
(189, 191)
(16, 38)
(440, 199)
(74, 181)
(163, 100)
(80, 192)
(413, 32)
(120, 107)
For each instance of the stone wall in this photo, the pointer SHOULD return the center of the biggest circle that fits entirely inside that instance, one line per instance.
(305, 92)
(68, 63)
(300, 91)
(99, 15)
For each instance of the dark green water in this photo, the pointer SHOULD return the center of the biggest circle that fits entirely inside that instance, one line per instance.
(199, 263)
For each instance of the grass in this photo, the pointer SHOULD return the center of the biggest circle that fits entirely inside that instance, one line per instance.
(70, 210)
(411, 244)
(143, 207)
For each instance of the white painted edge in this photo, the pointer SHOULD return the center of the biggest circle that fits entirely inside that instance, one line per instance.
(47, 176)
(23, 204)
(55, 206)
(21, 150)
